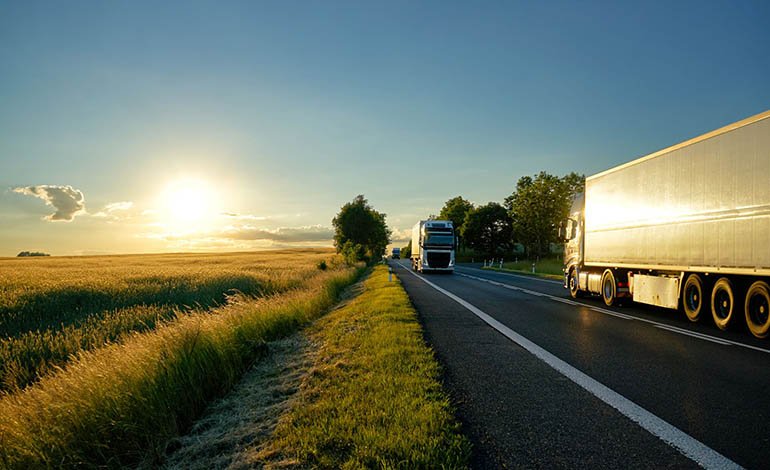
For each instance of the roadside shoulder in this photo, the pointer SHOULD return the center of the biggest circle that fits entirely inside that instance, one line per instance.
(373, 396)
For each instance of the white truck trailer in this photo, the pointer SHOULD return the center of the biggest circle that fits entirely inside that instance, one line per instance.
(433, 246)
(685, 227)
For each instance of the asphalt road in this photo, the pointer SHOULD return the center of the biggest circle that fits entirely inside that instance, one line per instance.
(540, 380)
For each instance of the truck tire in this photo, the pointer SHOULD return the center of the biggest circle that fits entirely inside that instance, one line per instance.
(574, 286)
(757, 309)
(609, 288)
(692, 297)
(723, 303)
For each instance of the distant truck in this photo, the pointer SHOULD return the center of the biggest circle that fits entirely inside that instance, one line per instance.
(433, 246)
(687, 226)
(396, 253)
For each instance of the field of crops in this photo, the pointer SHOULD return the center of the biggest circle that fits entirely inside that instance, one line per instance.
(94, 351)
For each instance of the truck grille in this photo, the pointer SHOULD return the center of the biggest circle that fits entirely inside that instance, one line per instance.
(438, 260)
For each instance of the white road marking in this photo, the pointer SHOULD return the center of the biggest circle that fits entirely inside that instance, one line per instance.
(693, 334)
(690, 447)
(672, 329)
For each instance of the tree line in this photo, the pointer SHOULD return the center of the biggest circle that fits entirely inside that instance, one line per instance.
(529, 216)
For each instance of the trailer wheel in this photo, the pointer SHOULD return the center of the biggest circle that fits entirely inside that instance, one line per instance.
(574, 286)
(692, 298)
(757, 309)
(609, 288)
(723, 303)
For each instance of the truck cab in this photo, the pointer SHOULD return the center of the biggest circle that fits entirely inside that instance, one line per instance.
(433, 246)
(571, 232)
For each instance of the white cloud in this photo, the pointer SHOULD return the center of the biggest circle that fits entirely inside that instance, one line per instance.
(118, 206)
(313, 233)
(111, 209)
(233, 215)
(401, 235)
(68, 201)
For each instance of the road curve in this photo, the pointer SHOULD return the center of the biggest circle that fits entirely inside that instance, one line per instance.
(700, 394)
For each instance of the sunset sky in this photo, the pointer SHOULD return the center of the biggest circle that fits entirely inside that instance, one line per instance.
(175, 126)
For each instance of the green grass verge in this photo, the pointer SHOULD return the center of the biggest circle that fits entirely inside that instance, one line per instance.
(373, 398)
(547, 268)
(120, 404)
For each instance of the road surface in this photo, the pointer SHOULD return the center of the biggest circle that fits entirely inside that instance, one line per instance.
(541, 380)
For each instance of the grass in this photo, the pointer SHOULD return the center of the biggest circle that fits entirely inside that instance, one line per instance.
(119, 404)
(546, 267)
(49, 293)
(54, 308)
(373, 398)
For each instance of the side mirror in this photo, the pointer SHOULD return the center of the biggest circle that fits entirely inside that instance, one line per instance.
(567, 230)
(562, 232)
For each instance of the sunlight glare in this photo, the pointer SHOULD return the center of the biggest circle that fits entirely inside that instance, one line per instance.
(188, 204)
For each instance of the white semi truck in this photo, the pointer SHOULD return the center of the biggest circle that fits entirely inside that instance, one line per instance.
(433, 246)
(685, 227)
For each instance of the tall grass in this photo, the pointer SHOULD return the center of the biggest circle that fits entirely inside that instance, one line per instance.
(53, 308)
(119, 404)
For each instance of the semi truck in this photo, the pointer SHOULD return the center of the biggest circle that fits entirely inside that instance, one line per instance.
(433, 246)
(396, 253)
(686, 227)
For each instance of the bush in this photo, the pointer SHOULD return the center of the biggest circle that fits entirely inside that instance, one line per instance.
(354, 252)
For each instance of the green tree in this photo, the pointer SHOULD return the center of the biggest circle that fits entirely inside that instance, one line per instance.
(455, 210)
(406, 252)
(487, 229)
(537, 206)
(360, 232)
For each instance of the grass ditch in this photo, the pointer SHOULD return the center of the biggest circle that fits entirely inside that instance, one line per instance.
(119, 405)
(373, 398)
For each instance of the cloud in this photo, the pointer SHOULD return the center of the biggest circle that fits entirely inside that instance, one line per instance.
(233, 215)
(109, 211)
(400, 235)
(313, 233)
(67, 200)
(118, 206)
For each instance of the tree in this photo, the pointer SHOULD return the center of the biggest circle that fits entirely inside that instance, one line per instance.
(538, 205)
(455, 210)
(360, 232)
(488, 229)
(406, 252)
(32, 253)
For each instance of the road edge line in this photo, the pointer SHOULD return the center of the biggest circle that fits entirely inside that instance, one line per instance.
(687, 445)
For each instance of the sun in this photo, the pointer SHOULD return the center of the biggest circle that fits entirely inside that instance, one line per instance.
(188, 203)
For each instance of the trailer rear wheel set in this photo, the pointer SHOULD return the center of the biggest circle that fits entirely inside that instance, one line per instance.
(727, 299)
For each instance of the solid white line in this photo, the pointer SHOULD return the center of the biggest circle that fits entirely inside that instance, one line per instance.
(673, 329)
(690, 447)
(693, 334)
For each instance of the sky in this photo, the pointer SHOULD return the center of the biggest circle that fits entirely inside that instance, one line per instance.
(206, 126)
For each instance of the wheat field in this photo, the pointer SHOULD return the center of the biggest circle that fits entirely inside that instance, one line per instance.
(103, 359)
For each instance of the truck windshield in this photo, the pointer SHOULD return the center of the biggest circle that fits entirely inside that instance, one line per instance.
(442, 239)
